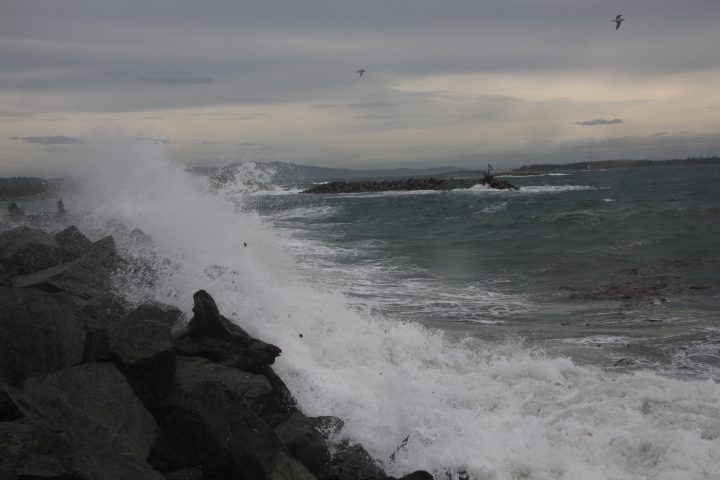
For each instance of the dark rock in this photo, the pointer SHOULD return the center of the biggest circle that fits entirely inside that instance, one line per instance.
(352, 462)
(141, 345)
(95, 405)
(38, 256)
(191, 371)
(287, 468)
(417, 475)
(281, 399)
(190, 473)
(304, 442)
(327, 426)
(409, 184)
(90, 278)
(39, 333)
(214, 428)
(39, 279)
(15, 212)
(14, 405)
(13, 241)
(34, 452)
(73, 241)
(210, 335)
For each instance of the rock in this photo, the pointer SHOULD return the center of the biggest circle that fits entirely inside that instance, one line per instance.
(73, 241)
(39, 279)
(327, 426)
(35, 452)
(215, 429)
(409, 184)
(191, 371)
(286, 468)
(190, 473)
(352, 462)
(39, 333)
(13, 241)
(210, 335)
(14, 405)
(281, 399)
(142, 346)
(90, 279)
(417, 475)
(15, 212)
(304, 442)
(95, 405)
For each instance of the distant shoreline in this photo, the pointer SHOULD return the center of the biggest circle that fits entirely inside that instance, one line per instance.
(603, 164)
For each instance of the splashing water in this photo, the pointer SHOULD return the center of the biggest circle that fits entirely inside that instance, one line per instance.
(412, 396)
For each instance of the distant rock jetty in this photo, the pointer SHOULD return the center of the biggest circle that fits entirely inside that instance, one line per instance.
(92, 388)
(410, 184)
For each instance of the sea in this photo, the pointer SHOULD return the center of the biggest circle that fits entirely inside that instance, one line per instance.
(567, 330)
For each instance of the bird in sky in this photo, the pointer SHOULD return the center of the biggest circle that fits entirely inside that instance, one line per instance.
(618, 20)
(360, 72)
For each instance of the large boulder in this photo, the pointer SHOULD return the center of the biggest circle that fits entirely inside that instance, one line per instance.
(191, 371)
(34, 451)
(14, 240)
(73, 240)
(214, 428)
(25, 250)
(298, 434)
(352, 462)
(95, 405)
(90, 279)
(39, 333)
(211, 335)
(142, 347)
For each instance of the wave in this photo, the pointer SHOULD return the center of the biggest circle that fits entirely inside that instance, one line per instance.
(498, 411)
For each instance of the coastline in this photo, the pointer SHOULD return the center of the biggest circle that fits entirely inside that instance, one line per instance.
(95, 388)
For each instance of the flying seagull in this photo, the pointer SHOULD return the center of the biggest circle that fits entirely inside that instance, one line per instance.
(618, 20)
(360, 72)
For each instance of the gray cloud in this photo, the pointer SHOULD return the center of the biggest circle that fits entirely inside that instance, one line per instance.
(598, 121)
(177, 80)
(50, 140)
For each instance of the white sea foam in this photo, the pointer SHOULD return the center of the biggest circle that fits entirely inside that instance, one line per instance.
(500, 412)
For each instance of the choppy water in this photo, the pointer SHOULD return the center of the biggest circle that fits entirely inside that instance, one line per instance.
(447, 318)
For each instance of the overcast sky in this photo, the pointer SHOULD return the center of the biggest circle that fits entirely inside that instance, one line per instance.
(451, 82)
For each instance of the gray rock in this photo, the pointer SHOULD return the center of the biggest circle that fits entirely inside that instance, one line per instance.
(142, 346)
(210, 335)
(215, 429)
(190, 473)
(95, 405)
(191, 371)
(13, 241)
(286, 468)
(73, 241)
(90, 278)
(39, 333)
(304, 442)
(417, 475)
(352, 462)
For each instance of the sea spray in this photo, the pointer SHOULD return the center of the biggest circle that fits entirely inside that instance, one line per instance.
(497, 411)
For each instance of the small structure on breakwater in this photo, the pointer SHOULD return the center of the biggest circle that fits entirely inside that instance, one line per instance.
(410, 184)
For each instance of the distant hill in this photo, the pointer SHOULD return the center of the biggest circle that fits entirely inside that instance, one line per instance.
(286, 172)
(602, 164)
(15, 187)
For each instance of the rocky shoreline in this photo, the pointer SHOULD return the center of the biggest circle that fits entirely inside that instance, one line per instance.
(410, 184)
(92, 388)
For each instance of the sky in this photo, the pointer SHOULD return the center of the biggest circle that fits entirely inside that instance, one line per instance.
(453, 82)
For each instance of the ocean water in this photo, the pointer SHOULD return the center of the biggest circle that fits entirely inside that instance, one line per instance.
(456, 331)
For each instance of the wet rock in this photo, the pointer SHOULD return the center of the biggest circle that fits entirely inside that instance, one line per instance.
(417, 475)
(287, 468)
(73, 241)
(352, 462)
(328, 426)
(39, 333)
(190, 473)
(94, 404)
(281, 399)
(191, 371)
(214, 428)
(90, 279)
(304, 442)
(14, 240)
(14, 212)
(409, 184)
(39, 279)
(141, 345)
(211, 335)
(25, 250)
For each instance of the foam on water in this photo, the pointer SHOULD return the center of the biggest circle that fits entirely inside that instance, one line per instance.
(498, 411)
